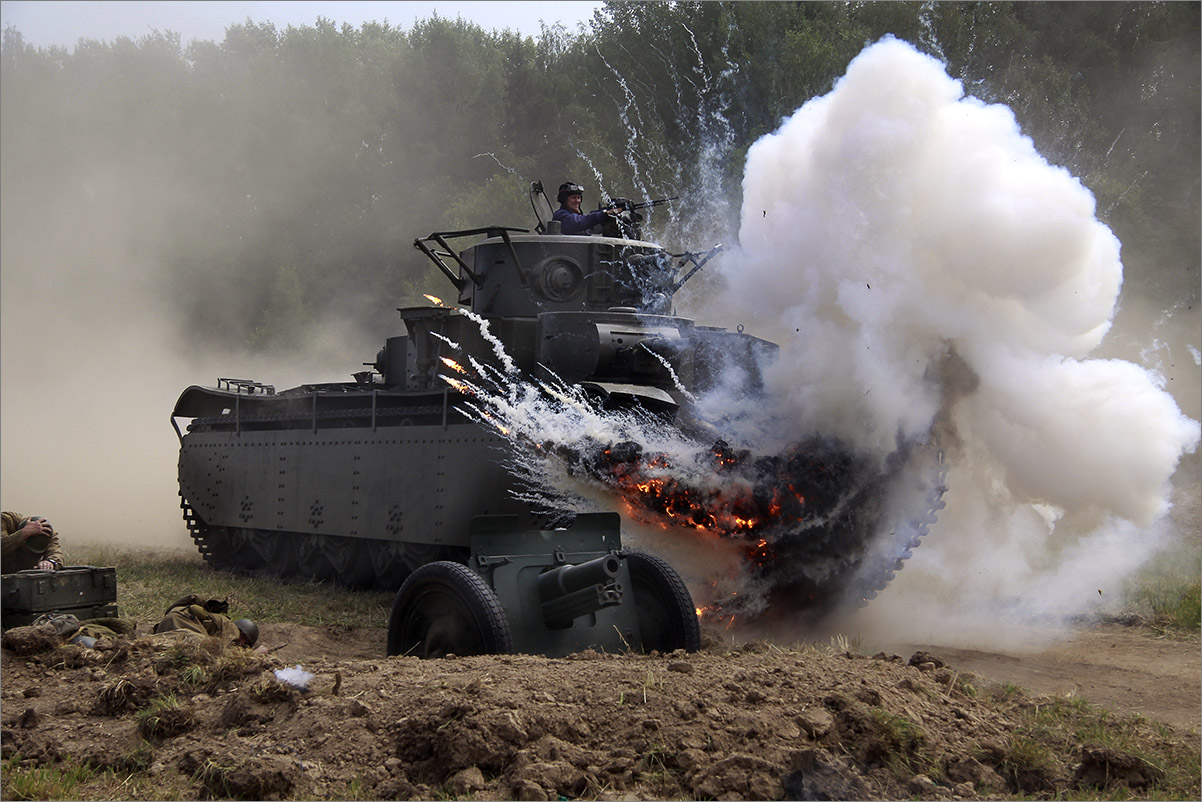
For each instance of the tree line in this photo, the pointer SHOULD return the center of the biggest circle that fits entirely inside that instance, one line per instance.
(277, 178)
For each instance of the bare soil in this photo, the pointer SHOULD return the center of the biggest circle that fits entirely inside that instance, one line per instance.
(730, 722)
(1126, 669)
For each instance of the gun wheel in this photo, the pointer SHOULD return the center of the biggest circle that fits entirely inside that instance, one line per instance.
(667, 617)
(447, 608)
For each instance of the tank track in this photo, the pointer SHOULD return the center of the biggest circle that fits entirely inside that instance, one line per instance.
(360, 563)
(384, 564)
(859, 552)
(888, 553)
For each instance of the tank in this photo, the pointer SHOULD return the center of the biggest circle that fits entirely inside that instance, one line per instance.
(385, 481)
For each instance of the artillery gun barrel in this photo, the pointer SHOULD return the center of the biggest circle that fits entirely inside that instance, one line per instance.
(571, 591)
(568, 578)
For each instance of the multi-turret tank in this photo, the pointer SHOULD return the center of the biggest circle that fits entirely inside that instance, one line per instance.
(386, 481)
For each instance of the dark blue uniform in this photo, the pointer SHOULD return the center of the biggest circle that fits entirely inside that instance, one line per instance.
(572, 223)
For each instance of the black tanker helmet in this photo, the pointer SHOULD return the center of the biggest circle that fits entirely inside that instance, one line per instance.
(570, 188)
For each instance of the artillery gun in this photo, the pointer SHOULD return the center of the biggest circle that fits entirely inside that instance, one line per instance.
(384, 482)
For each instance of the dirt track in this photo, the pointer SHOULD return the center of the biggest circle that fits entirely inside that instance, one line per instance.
(1125, 669)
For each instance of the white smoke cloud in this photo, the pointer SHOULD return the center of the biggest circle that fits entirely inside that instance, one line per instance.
(894, 227)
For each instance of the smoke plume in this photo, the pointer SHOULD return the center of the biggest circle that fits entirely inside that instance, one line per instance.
(920, 262)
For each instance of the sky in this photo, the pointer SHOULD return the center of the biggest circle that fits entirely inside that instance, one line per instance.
(44, 23)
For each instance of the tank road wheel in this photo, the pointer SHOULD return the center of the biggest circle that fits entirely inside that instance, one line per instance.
(351, 562)
(447, 608)
(282, 558)
(243, 552)
(311, 559)
(667, 617)
(228, 548)
(388, 564)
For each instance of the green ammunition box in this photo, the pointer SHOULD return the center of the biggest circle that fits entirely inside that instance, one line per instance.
(84, 591)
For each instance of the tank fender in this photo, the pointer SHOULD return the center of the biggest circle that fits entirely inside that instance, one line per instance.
(611, 391)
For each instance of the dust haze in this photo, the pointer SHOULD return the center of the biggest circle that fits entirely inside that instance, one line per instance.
(94, 356)
(130, 272)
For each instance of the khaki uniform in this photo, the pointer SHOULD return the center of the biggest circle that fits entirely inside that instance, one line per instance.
(69, 627)
(194, 621)
(15, 555)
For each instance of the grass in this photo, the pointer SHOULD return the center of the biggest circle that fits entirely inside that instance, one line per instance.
(71, 779)
(1028, 764)
(1166, 593)
(905, 740)
(1049, 735)
(45, 782)
(1174, 607)
(1053, 731)
(215, 778)
(148, 582)
(162, 718)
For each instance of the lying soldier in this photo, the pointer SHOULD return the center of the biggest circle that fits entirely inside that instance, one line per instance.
(193, 617)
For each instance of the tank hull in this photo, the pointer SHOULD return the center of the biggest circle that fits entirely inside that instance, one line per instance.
(356, 486)
(396, 483)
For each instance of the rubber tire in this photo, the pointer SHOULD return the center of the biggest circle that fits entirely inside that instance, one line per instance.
(447, 608)
(667, 617)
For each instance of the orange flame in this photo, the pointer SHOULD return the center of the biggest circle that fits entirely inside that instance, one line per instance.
(462, 387)
(453, 365)
(433, 299)
(496, 424)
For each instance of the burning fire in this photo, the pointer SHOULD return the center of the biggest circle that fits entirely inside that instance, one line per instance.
(723, 494)
(799, 520)
(433, 299)
(716, 614)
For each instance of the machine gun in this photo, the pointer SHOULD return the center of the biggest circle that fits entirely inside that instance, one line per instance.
(626, 224)
(623, 225)
(648, 204)
(625, 204)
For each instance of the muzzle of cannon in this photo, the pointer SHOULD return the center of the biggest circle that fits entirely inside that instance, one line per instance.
(570, 591)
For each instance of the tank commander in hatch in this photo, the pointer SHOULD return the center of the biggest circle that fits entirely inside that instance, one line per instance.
(28, 542)
(571, 221)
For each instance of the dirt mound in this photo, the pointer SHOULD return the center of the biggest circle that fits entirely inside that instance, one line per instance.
(755, 722)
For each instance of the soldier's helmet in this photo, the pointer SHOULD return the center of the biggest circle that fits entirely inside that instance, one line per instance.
(569, 188)
(38, 544)
(248, 628)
